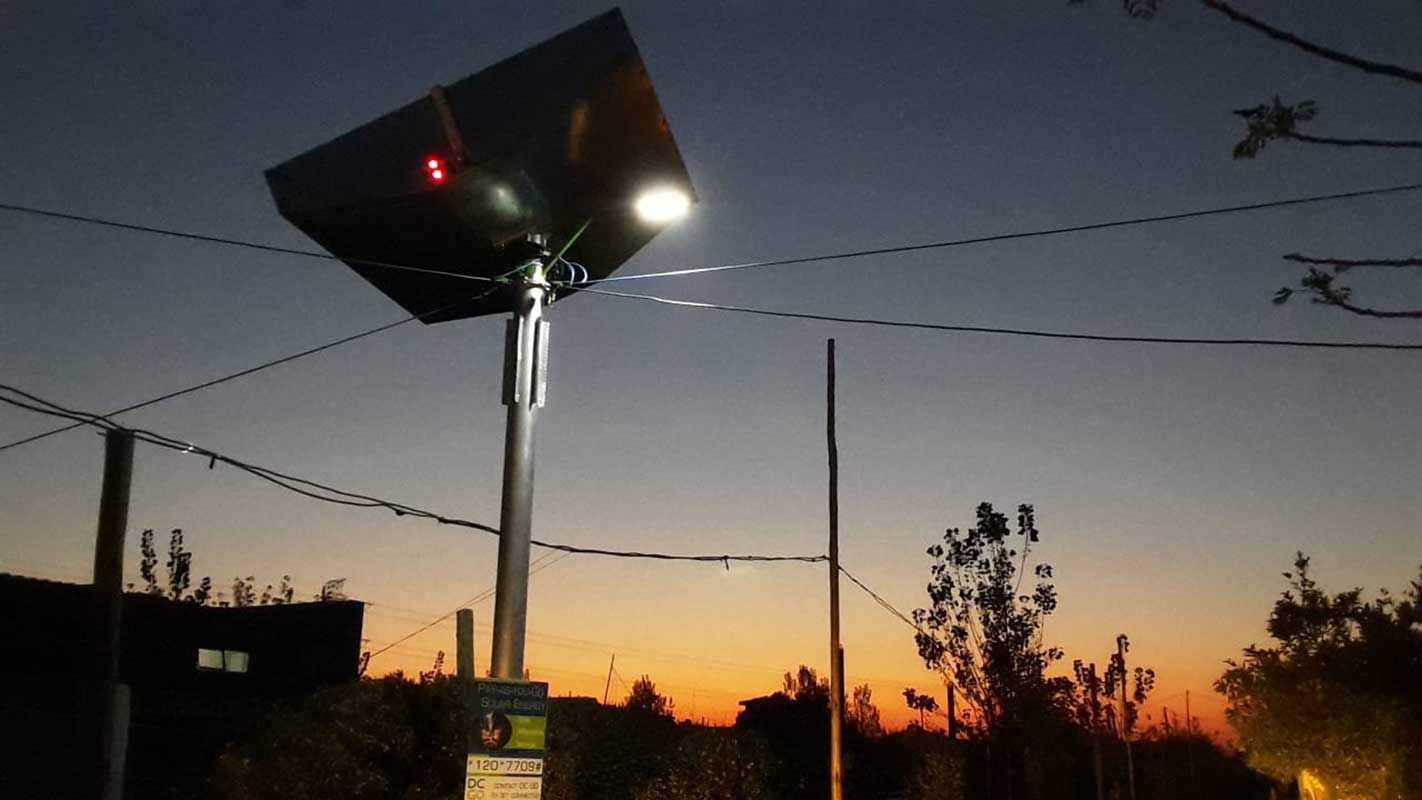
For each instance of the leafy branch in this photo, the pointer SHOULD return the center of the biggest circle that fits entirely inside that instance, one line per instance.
(1320, 286)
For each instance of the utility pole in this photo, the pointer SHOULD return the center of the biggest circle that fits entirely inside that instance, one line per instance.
(952, 711)
(464, 644)
(607, 687)
(1095, 687)
(843, 705)
(836, 666)
(525, 373)
(1125, 718)
(107, 756)
(1190, 746)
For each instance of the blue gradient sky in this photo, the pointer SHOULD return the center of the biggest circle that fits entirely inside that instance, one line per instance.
(1172, 484)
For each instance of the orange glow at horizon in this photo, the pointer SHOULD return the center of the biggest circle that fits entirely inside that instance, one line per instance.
(708, 689)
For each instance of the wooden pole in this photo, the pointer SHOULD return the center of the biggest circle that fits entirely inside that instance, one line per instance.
(1190, 746)
(107, 774)
(836, 668)
(952, 711)
(1126, 719)
(606, 687)
(1095, 687)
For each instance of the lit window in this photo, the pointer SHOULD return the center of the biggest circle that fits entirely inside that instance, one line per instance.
(222, 660)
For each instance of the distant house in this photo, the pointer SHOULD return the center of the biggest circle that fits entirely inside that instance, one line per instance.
(187, 667)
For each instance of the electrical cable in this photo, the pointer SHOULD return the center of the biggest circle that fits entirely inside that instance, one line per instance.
(1004, 237)
(1041, 334)
(889, 607)
(498, 280)
(885, 604)
(323, 492)
(250, 370)
(583, 285)
(230, 242)
(534, 569)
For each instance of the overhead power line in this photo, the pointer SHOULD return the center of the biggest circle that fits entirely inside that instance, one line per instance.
(1032, 234)
(249, 370)
(330, 494)
(847, 254)
(541, 564)
(231, 242)
(885, 604)
(1041, 334)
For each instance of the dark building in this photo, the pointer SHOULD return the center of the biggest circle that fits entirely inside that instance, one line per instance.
(193, 672)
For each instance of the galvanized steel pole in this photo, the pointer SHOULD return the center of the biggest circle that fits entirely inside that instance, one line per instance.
(525, 355)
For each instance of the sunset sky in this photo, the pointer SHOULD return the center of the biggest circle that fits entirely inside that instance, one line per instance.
(1172, 483)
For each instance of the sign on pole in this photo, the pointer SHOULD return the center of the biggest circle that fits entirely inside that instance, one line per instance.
(506, 747)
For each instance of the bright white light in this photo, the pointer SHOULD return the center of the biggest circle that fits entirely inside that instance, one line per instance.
(663, 205)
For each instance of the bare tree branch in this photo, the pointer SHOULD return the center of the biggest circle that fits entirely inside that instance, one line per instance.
(1373, 67)
(1303, 137)
(1345, 264)
(1371, 312)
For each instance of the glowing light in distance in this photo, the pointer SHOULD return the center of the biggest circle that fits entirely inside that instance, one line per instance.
(437, 174)
(662, 205)
(432, 163)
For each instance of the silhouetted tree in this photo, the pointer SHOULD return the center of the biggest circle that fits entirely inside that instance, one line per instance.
(1338, 696)
(436, 670)
(980, 631)
(645, 698)
(922, 703)
(148, 563)
(862, 714)
(795, 721)
(243, 593)
(806, 686)
(1279, 121)
(1117, 676)
(179, 578)
(179, 570)
(281, 596)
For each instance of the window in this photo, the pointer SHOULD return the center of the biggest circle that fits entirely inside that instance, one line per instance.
(222, 660)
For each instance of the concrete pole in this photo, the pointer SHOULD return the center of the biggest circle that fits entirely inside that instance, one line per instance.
(464, 644)
(107, 775)
(525, 352)
(836, 665)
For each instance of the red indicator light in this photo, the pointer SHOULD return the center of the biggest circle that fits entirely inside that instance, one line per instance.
(437, 175)
(432, 163)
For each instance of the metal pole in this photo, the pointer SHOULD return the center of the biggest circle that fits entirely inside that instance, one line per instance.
(108, 611)
(525, 351)
(836, 666)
